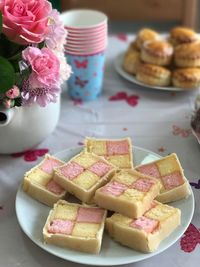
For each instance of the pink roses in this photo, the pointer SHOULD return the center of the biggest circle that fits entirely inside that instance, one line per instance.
(25, 21)
(45, 65)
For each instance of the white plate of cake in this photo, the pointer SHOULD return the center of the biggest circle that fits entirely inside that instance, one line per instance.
(35, 217)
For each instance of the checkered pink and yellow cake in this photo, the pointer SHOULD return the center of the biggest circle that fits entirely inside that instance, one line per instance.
(39, 184)
(170, 173)
(146, 232)
(75, 226)
(84, 174)
(129, 193)
(116, 151)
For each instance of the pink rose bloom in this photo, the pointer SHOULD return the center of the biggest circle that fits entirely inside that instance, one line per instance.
(44, 63)
(25, 21)
(13, 92)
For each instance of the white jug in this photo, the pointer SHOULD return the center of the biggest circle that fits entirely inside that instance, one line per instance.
(22, 128)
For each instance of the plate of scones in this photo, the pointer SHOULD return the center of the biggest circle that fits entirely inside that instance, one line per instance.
(165, 62)
(106, 203)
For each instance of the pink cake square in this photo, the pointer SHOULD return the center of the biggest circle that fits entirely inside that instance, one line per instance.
(54, 187)
(90, 215)
(100, 168)
(144, 223)
(114, 188)
(143, 184)
(172, 180)
(150, 169)
(71, 170)
(117, 147)
(59, 226)
(49, 164)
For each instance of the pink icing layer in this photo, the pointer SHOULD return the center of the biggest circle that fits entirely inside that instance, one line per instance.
(71, 170)
(144, 223)
(143, 184)
(54, 187)
(100, 168)
(48, 165)
(114, 188)
(172, 180)
(58, 226)
(150, 169)
(90, 215)
(117, 147)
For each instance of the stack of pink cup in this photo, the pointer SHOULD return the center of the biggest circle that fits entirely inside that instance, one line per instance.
(85, 52)
(87, 32)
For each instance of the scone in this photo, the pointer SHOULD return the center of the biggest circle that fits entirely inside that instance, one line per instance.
(39, 184)
(146, 35)
(145, 233)
(169, 171)
(129, 193)
(84, 174)
(157, 52)
(133, 47)
(131, 61)
(186, 78)
(75, 226)
(116, 151)
(153, 75)
(182, 35)
(187, 55)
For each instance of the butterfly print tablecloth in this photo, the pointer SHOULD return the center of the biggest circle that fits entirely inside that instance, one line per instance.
(155, 120)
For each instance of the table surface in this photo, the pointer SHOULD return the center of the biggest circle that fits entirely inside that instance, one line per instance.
(156, 120)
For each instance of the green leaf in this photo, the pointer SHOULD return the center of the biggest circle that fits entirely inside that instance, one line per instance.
(7, 75)
(1, 22)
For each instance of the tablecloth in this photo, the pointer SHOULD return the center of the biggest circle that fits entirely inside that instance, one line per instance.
(154, 119)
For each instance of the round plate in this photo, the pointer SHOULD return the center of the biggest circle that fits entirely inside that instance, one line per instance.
(32, 216)
(118, 66)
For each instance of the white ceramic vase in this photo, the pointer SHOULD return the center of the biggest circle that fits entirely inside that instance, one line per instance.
(22, 128)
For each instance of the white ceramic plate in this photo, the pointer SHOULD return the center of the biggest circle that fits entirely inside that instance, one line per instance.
(118, 67)
(32, 217)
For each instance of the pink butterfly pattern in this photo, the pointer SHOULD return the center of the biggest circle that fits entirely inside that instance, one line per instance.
(190, 239)
(79, 82)
(132, 100)
(81, 64)
(31, 155)
(176, 130)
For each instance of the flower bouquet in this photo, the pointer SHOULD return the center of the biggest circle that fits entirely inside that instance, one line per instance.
(32, 61)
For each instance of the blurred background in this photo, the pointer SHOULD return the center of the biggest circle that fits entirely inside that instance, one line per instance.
(130, 15)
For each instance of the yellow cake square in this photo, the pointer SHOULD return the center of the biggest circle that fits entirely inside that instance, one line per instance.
(96, 147)
(160, 212)
(66, 212)
(121, 161)
(86, 179)
(132, 195)
(86, 161)
(85, 229)
(168, 166)
(39, 177)
(125, 177)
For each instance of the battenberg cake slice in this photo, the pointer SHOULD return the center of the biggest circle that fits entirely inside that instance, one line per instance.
(129, 193)
(145, 233)
(116, 151)
(39, 184)
(84, 174)
(170, 173)
(75, 226)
